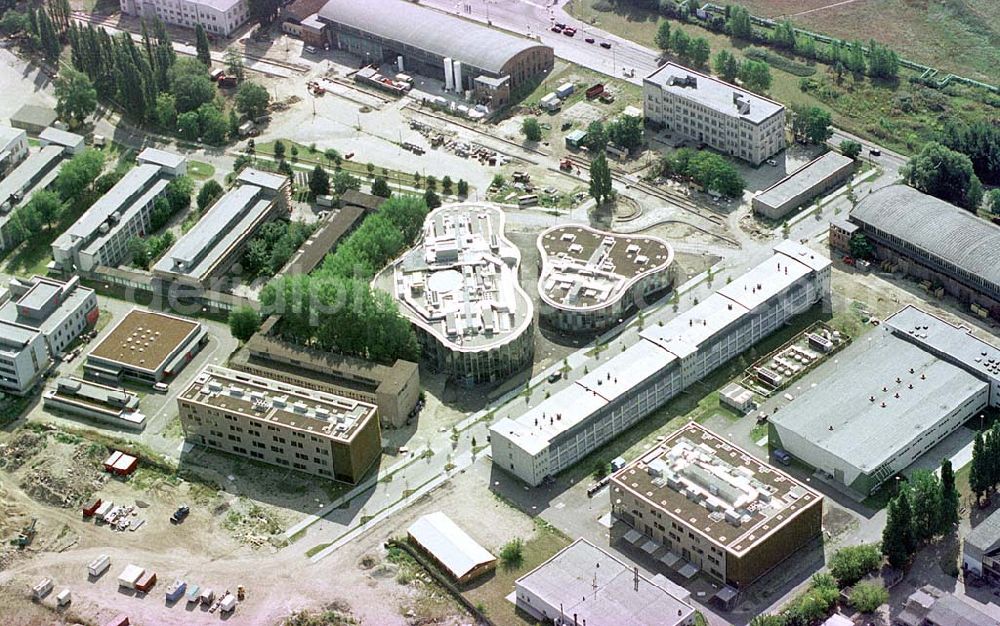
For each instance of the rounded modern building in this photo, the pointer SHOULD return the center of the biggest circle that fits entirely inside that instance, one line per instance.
(466, 55)
(459, 287)
(590, 278)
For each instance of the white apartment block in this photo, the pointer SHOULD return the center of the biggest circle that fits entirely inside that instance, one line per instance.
(217, 17)
(101, 235)
(710, 111)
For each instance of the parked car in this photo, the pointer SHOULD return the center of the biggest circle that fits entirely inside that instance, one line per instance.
(555, 377)
(875, 152)
(606, 45)
(161, 387)
(782, 457)
(179, 515)
(589, 40)
(311, 49)
(772, 163)
(556, 29)
(569, 32)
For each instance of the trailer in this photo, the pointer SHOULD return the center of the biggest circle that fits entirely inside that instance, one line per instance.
(41, 589)
(228, 603)
(130, 576)
(206, 596)
(90, 509)
(193, 594)
(176, 590)
(64, 598)
(146, 582)
(99, 565)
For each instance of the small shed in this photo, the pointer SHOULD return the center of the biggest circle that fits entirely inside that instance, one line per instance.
(33, 119)
(576, 138)
(450, 547)
(70, 142)
(120, 463)
(737, 396)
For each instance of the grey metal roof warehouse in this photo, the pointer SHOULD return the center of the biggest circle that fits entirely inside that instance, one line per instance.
(804, 178)
(425, 29)
(935, 227)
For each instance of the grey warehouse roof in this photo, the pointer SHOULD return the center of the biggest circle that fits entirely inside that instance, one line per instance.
(429, 30)
(936, 227)
(799, 181)
(986, 535)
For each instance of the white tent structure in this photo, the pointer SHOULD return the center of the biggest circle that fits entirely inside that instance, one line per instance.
(451, 547)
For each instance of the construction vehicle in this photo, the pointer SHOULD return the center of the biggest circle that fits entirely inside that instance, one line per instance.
(566, 165)
(241, 593)
(26, 535)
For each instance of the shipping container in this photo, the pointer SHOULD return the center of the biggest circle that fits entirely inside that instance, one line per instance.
(176, 590)
(146, 582)
(99, 565)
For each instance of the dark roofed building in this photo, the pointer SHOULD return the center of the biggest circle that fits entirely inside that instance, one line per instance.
(466, 55)
(935, 241)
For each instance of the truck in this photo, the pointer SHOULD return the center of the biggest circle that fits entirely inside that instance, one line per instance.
(99, 565)
(176, 590)
(180, 514)
(228, 603)
(103, 509)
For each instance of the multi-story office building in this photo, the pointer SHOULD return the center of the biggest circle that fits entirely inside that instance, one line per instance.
(707, 110)
(100, 237)
(710, 506)
(13, 148)
(932, 240)
(889, 399)
(278, 423)
(23, 358)
(217, 17)
(459, 287)
(564, 428)
(59, 310)
(147, 347)
(590, 278)
(202, 257)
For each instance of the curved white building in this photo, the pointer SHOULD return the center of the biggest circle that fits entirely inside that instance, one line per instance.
(459, 287)
(591, 278)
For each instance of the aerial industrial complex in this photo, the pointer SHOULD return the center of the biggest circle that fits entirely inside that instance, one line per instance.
(887, 400)
(590, 279)
(732, 120)
(460, 288)
(561, 430)
(708, 505)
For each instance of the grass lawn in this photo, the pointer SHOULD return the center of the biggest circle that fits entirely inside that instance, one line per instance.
(200, 170)
(900, 115)
(307, 160)
(491, 595)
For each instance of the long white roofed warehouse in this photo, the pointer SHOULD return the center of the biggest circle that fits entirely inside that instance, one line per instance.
(465, 55)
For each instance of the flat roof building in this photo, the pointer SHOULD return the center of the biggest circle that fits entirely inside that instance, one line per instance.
(887, 399)
(217, 17)
(732, 120)
(590, 279)
(71, 143)
(34, 173)
(715, 506)
(24, 358)
(466, 55)
(451, 547)
(204, 255)
(146, 346)
(562, 429)
(460, 289)
(584, 584)
(100, 237)
(816, 177)
(930, 606)
(933, 240)
(173, 164)
(111, 405)
(13, 148)
(59, 310)
(281, 424)
(394, 389)
(981, 550)
(33, 119)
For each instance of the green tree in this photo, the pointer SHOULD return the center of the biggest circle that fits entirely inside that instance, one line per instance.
(431, 199)
(765, 619)
(882, 61)
(852, 563)
(925, 504)
(726, 65)
(139, 251)
(178, 193)
(51, 47)
(234, 64)
(79, 173)
(431, 182)
(319, 182)
(381, 188)
(342, 181)
(979, 470)
(783, 35)
(190, 84)
(463, 189)
(243, 322)
(332, 156)
(47, 205)
(209, 193)
(755, 75)
(898, 542)
(861, 247)
(662, 38)
(626, 132)
(946, 174)
(263, 12)
(597, 136)
(850, 148)
(738, 24)
(679, 42)
(446, 184)
(204, 52)
(189, 125)
(699, 51)
(512, 554)
(949, 498)
(811, 123)
(868, 596)
(601, 187)
(76, 97)
(531, 129)
(805, 45)
(165, 112)
(279, 149)
(993, 201)
(213, 124)
(252, 100)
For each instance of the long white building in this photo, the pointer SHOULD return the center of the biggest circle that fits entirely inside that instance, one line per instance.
(218, 17)
(730, 119)
(596, 408)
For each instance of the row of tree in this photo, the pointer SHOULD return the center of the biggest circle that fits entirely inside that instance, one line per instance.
(335, 308)
(273, 246)
(755, 75)
(924, 507)
(706, 169)
(984, 473)
(980, 141)
(694, 49)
